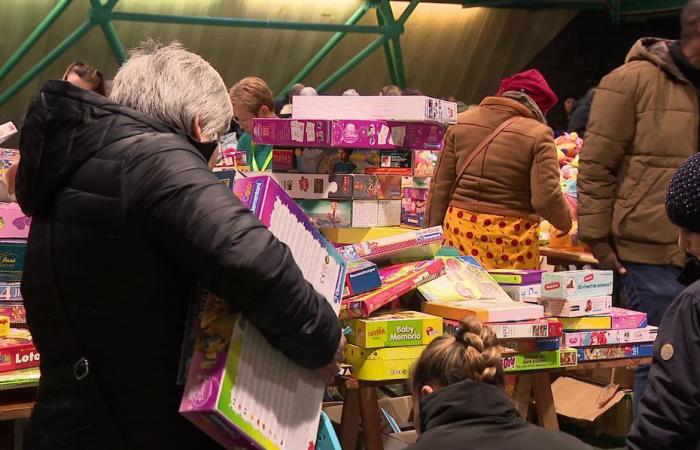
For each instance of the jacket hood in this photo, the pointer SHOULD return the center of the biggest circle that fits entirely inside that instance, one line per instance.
(467, 400)
(64, 127)
(656, 51)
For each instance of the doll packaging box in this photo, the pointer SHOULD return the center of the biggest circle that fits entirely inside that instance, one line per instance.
(394, 329)
(399, 108)
(240, 390)
(379, 134)
(374, 364)
(610, 337)
(577, 284)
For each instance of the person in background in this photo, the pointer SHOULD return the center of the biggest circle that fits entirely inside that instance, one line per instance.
(86, 77)
(643, 125)
(569, 104)
(351, 93)
(287, 100)
(498, 174)
(390, 89)
(578, 121)
(251, 97)
(127, 216)
(459, 400)
(669, 411)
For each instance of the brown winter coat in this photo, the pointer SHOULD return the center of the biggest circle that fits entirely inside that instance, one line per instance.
(643, 125)
(517, 175)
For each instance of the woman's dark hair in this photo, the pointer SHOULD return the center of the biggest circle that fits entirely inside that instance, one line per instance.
(88, 74)
(471, 353)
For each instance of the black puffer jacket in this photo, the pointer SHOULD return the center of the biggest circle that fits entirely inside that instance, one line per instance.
(479, 416)
(127, 219)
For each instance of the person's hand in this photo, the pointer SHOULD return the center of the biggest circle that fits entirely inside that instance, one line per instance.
(329, 371)
(606, 256)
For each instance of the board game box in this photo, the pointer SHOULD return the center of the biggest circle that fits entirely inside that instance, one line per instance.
(516, 277)
(609, 337)
(463, 281)
(619, 351)
(540, 328)
(393, 363)
(361, 276)
(577, 284)
(577, 307)
(520, 362)
(486, 310)
(394, 329)
(415, 245)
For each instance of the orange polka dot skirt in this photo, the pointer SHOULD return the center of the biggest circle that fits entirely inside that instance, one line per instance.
(497, 242)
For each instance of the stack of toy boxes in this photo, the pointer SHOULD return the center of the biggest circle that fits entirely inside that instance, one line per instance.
(378, 142)
(582, 301)
(519, 284)
(384, 341)
(528, 341)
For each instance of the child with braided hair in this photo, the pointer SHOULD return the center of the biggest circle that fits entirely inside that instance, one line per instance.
(459, 400)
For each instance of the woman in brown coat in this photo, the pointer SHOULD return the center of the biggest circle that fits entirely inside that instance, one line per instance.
(498, 175)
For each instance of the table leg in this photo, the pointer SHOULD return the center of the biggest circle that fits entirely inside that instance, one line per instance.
(523, 394)
(369, 411)
(350, 420)
(546, 413)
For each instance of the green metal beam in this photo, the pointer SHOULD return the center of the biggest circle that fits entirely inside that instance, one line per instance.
(330, 45)
(348, 66)
(242, 23)
(101, 15)
(114, 42)
(388, 50)
(46, 61)
(39, 31)
(407, 12)
(393, 31)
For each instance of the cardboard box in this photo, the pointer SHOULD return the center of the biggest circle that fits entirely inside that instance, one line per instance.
(608, 337)
(361, 276)
(541, 328)
(394, 329)
(315, 186)
(12, 255)
(617, 319)
(365, 187)
(15, 311)
(379, 134)
(578, 307)
(240, 390)
(328, 213)
(388, 213)
(382, 363)
(404, 279)
(486, 310)
(10, 292)
(398, 108)
(512, 277)
(17, 351)
(365, 213)
(413, 205)
(411, 245)
(530, 345)
(13, 223)
(577, 284)
(618, 351)
(424, 163)
(463, 281)
(523, 293)
(538, 360)
(393, 162)
(389, 187)
(579, 400)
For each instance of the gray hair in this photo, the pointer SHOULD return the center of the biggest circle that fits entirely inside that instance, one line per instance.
(174, 85)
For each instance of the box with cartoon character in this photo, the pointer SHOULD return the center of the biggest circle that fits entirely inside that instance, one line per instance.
(379, 134)
(394, 329)
(388, 187)
(609, 337)
(463, 281)
(328, 213)
(424, 163)
(619, 351)
(15, 311)
(393, 162)
(13, 223)
(344, 160)
(240, 390)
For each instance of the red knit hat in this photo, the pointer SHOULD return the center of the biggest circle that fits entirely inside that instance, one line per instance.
(532, 83)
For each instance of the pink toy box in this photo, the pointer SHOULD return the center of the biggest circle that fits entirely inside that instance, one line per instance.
(378, 134)
(240, 390)
(13, 223)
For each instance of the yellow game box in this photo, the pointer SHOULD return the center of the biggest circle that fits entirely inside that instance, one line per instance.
(382, 363)
(394, 329)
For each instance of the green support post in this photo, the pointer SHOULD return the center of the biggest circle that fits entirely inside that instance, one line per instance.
(114, 42)
(242, 23)
(393, 31)
(388, 51)
(330, 45)
(407, 12)
(101, 14)
(348, 66)
(39, 31)
(46, 61)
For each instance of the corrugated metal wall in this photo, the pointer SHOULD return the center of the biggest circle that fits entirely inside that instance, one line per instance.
(447, 50)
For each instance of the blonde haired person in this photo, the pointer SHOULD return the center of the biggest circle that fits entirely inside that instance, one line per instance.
(459, 400)
(251, 97)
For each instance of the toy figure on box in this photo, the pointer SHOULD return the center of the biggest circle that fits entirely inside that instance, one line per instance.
(498, 175)
(458, 396)
(345, 165)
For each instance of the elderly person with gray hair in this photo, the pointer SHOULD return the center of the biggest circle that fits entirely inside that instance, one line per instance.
(127, 221)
